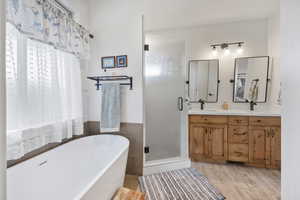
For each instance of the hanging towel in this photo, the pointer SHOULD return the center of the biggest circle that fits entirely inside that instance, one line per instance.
(110, 108)
(253, 90)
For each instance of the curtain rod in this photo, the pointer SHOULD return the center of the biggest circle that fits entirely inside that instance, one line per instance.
(63, 7)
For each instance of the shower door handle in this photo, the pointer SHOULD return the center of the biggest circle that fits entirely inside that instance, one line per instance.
(180, 103)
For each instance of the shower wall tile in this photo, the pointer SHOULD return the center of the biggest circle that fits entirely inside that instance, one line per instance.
(134, 133)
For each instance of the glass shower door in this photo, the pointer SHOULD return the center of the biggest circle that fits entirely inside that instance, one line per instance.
(164, 76)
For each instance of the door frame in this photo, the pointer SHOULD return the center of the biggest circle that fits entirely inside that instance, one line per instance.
(2, 103)
(183, 160)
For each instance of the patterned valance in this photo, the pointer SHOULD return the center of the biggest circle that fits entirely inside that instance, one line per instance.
(43, 20)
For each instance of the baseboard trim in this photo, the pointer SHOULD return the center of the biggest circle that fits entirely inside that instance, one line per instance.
(166, 166)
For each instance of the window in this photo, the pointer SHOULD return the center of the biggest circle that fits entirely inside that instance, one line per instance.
(43, 94)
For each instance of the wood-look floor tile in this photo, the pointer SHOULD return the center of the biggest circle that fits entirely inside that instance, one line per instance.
(240, 182)
(235, 182)
(131, 182)
(128, 194)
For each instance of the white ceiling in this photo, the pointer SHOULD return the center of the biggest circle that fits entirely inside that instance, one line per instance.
(163, 14)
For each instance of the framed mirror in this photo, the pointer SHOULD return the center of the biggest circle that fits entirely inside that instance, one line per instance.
(251, 75)
(203, 80)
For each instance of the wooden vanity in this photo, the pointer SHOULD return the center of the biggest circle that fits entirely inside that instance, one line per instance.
(252, 140)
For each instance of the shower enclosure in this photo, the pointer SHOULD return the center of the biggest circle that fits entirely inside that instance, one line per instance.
(164, 93)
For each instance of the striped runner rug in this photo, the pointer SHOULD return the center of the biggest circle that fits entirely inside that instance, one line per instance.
(183, 184)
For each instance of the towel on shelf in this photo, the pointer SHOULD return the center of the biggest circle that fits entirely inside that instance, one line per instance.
(110, 108)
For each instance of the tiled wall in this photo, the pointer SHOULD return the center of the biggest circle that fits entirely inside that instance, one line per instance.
(133, 132)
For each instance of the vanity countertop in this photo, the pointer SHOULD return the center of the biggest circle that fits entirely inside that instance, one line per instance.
(268, 113)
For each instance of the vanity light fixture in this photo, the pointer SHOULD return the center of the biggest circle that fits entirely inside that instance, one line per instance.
(225, 47)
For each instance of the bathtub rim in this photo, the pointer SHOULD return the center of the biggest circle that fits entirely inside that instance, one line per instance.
(90, 185)
(100, 173)
(49, 147)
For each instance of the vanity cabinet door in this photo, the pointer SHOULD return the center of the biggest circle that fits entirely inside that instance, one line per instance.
(238, 152)
(238, 135)
(198, 142)
(258, 139)
(275, 150)
(208, 142)
(217, 138)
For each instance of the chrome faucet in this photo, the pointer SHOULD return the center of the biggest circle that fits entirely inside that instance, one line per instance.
(202, 102)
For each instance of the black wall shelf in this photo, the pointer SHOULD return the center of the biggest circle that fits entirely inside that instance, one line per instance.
(100, 79)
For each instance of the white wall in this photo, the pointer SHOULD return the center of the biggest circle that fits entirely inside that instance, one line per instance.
(274, 52)
(198, 40)
(117, 26)
(179, 13)
(2, 105)
(290, 43)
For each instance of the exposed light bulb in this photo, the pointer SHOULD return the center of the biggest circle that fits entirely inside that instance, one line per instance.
(240, 49)
(215, 51)
(226, 52)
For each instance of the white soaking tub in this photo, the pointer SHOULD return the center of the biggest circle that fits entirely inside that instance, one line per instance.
(90, 168)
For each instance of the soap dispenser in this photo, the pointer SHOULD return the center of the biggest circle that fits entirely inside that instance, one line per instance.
(225, 105)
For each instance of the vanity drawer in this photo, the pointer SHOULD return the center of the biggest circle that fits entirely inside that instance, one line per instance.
(238, 152)
(238, 120)
(208, 119)
(265, 121)
(238, 134)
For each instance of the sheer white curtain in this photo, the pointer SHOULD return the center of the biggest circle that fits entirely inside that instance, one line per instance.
(43, 94)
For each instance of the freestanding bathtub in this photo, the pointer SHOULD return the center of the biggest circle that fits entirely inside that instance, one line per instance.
(90, 168)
